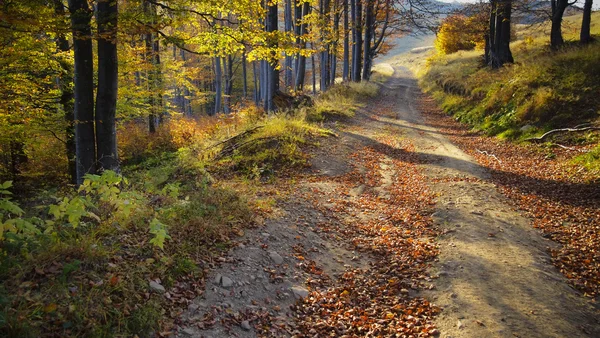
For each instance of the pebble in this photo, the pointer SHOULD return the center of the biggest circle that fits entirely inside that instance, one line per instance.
(460, 325)
(218, 279)
(157, 287)
(246, 325)
(299, 292)
(277, 259)
(189, 331)
(193, 307)
(226, 282)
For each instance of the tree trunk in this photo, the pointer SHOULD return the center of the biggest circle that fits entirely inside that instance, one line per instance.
(353, 25)
(289, 27)
(66, 96)
(324, 61)
(256, 87)
(357, 57)
(558, 10)
(499, 35)
(369, 25)
(272, 72)
(228, 82)
(218, 85)
(336, 34)
(150, 73)
(106, 95)
(301, 67)
(85, 147)
(584, 36)
(158, 80)
(314, 74)
(346, 66)
(244, 75)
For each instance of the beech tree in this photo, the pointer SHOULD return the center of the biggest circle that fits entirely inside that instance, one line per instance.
(558, 11)
(585, 36)
(106, 96)
(81, 21)
(498, 39)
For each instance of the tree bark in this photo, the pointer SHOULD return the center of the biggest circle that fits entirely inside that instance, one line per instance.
(499, 35)
(228, 82)
(244, 75)
(314, 74)
(301, 67)
(324, 61)
(256, 87)
(85, 147)
(336, 38)
(584, 36)
(289, 27)
(106, 96)
(346, 66)
(369, 26)
(558, 10)
(504, 53)
(218, 86)
(272, 73)
(66, 96)
(357, 57)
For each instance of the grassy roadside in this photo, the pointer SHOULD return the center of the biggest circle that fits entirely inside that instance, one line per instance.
(541, 91)
(125, 255)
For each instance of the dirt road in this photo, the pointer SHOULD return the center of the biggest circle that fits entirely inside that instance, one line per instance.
(392, 230)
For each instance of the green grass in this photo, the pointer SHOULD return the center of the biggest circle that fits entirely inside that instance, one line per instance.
(590, 160)
(341, 101)
(278, 144)
(543, 89)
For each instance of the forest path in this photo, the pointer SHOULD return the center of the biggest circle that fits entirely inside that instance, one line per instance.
(358, 237)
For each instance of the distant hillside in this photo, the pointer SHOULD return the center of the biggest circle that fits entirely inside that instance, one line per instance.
(537, 11)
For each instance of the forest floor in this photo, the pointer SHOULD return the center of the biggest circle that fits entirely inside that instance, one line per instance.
(392, 231)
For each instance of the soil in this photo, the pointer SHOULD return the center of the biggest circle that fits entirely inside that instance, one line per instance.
(493, 276)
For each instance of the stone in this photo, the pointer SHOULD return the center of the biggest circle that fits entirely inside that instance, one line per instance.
(460, 325)
(189, 331)
(246, 325)
(226, 282)
(299, 292)
(526, 127)
(157, 287)
(277, 259)
(193, 307)
(218, 279)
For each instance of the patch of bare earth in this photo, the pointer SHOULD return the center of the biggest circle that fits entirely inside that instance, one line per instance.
(391, 218)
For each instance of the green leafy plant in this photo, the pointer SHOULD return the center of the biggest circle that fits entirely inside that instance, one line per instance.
(11, 223)
(159, 230)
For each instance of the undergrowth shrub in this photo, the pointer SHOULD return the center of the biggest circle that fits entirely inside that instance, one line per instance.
(542, 89)
(341, 100)
(275, 145)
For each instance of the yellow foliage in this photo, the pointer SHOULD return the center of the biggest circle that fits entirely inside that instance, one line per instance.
(459, 32)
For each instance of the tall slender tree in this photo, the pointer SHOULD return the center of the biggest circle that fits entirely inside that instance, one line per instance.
(301, 67)
(66, 94)
(106, 99)
(357, 57)
(81, 22)
(585, 36)
(558, 11)
(499, 34)
(272, 73)
(346, 62)
(369, 28)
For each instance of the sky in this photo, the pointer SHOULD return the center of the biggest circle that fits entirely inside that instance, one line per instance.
(595, 6)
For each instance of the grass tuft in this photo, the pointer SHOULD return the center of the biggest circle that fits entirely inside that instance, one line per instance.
(542, 90)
